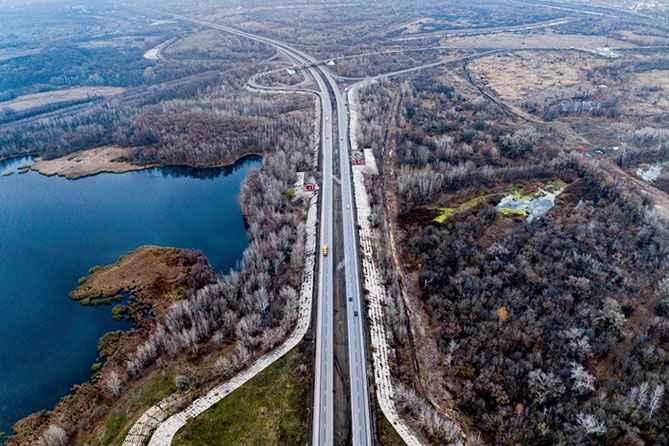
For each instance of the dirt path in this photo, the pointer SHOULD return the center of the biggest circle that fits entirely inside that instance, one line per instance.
(425, 353)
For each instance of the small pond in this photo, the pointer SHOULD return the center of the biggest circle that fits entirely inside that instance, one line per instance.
(530, 206)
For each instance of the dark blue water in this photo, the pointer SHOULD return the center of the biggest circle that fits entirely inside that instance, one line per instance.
(52, 230)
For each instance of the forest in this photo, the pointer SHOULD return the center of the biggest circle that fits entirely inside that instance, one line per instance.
(549, 332)
(199, 120)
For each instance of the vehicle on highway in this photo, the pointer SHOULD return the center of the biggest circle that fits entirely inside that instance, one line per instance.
(355, 313)
(350, 299)
(325, 249)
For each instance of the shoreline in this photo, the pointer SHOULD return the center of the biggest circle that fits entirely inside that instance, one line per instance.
(69, 167)
(27, 421)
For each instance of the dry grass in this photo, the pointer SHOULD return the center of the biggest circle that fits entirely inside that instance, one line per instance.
(546, 38)
(641, 38)
(199, 41)
(526, 75)
(87, 162)
(129, 41)
(649, 93)
(547, 77)
(150, 269)
(413, 26)
(6, 54)
(35, 100)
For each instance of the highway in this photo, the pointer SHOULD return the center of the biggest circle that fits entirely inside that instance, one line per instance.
(323, 392)
(323, 431)
(361, 431)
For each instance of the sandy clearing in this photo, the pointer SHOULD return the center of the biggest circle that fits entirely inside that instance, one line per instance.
(34, 100)
(156, 53)
(87, 162)
(9, 54)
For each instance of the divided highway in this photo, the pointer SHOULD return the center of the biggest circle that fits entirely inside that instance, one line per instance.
(323, 431)
(361, 431)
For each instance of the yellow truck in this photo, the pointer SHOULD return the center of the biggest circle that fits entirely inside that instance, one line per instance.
(325, 249)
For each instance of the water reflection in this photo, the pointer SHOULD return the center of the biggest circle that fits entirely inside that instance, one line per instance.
(207, 173)
(52, 230)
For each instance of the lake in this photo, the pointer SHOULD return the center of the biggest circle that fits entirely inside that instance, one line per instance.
(53, 230)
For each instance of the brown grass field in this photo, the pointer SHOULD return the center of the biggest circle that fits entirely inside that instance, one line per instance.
(35, 100)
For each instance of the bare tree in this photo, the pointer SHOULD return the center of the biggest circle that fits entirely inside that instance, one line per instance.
(113, 384)
(544, 386)
(583, 381)
(53, 436)
(590, 424)
(655, 400)
(429, 419)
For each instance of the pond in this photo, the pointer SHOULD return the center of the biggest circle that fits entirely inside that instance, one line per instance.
(52, 230)
(530, 206)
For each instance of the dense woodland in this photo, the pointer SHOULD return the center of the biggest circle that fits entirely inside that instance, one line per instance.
(551, 332)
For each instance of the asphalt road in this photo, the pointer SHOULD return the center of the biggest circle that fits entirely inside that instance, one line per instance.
(323, 433)
(361, 431)
(323, 397)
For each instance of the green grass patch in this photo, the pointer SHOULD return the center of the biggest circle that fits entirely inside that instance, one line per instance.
(475, 201)
(515, 191)
(445, 213)
(114, 425)
(95, 269)
(522, 213)
(388, 436)
(8, 173)
(156, 388)
(270, 409)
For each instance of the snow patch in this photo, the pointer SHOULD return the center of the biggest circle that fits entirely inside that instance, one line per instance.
(651, 172)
